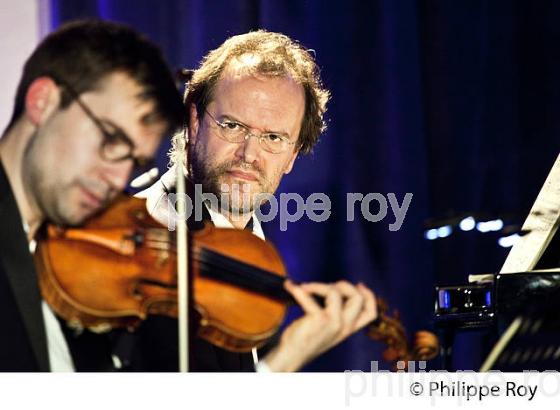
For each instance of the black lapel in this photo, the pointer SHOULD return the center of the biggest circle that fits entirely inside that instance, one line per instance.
(20, 271)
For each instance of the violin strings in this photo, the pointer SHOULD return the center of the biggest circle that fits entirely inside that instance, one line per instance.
(220, 267)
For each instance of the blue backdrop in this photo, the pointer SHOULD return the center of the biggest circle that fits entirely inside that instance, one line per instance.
(456, 102)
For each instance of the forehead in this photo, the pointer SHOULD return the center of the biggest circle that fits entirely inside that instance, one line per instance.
(119, 99)
(120, 93)
(274, 103)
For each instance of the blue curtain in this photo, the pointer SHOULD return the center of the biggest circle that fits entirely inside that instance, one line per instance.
(456, 102)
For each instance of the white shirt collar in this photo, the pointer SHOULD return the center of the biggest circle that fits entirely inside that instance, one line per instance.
(220, 221)
(158, 207)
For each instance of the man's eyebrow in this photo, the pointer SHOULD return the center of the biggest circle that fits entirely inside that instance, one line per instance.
(114, 127)
(147, 119)
(231, 118)
(153, 116)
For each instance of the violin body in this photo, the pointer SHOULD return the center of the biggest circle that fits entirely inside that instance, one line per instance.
(121, 267)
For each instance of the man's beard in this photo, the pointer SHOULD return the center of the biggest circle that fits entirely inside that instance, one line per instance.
(54, 197)
(236, 198)
(34, 177)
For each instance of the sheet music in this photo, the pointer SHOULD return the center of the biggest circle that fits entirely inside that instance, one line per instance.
(540, 226)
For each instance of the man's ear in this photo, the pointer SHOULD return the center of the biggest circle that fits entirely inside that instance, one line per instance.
(194, 123)
(290, 165)
(41, 100)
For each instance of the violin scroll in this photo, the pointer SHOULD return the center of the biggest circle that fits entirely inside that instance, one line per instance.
(388, 329)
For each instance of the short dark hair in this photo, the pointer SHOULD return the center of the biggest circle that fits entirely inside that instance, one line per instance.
(277, 55)
(84, 52)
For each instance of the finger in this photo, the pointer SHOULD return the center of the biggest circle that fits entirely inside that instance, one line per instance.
(333, 301)
(333, 305)
(317, 288)
(370, 301)
(369, 309)
(322, 290)
(353, 304)
(302, 297)
(346, 288)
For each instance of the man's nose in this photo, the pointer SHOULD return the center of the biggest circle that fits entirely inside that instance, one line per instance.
(249, 149)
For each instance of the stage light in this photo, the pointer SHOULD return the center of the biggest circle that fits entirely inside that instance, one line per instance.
(496, 225)
(490, 226)
(508, 241)
(467, 224)
(431, 234)
(444, 231)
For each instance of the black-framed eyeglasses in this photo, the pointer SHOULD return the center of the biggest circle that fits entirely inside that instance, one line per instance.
(116, 146)
(237, 132)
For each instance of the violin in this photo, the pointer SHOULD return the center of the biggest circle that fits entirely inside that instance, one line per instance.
(388, 329)
(120, 267)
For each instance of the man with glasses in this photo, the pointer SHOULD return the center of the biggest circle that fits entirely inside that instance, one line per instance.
(253, 105)
(94, 102)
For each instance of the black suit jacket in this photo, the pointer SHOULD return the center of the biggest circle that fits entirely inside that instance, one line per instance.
(23, 347)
